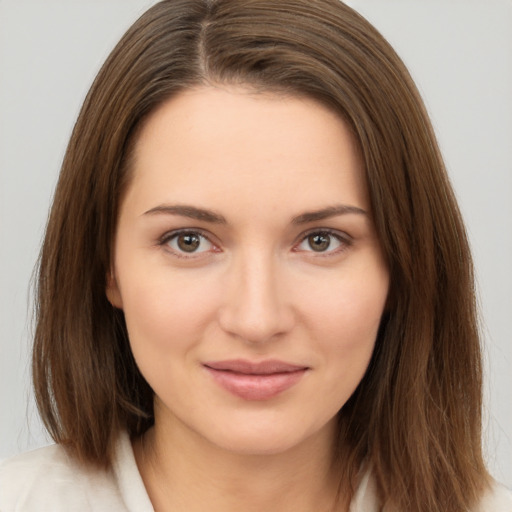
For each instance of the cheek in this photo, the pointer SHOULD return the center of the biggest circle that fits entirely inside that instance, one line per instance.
(344, 316)
(167, 312)
(167, 318)
(347, 309)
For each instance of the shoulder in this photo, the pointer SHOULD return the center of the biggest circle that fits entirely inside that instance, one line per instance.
(497, 499)
(49, 479)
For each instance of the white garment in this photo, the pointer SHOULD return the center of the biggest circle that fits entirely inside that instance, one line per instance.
(48, 480)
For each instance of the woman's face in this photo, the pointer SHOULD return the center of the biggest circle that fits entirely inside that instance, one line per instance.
(248, 268)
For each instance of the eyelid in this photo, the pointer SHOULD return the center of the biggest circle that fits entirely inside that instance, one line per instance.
(164, 240)
(345, 240)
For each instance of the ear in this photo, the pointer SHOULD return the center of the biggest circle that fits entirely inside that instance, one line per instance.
(112, 291)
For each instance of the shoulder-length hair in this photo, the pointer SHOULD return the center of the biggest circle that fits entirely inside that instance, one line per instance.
(415, 418)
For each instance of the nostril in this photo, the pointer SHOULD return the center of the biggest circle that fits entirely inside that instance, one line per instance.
(256, 325)
(255, 309)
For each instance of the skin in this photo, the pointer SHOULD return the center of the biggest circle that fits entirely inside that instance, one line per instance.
(256, 286)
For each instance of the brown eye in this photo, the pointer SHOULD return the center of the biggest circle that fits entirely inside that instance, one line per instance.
(319, 242)
(188, 242)
(326, 242)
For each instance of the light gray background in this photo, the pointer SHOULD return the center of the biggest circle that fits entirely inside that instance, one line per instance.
(459, 52)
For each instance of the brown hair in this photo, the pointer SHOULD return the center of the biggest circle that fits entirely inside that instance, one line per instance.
(415, 418)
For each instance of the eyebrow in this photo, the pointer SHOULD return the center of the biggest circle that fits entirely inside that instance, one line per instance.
(326, 213)
(205, 215)
(188, 211)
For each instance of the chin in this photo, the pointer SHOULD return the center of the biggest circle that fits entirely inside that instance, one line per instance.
(255, 445)
(270, 438)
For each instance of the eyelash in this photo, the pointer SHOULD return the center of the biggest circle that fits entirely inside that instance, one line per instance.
(343, 239)
(173, 235)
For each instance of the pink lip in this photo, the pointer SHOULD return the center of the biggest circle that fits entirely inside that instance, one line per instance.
(255, 381)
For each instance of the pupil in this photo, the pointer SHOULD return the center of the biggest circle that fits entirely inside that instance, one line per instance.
(319, 242)
(188, 243)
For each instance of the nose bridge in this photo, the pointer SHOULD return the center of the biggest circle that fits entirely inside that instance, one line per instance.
(256, 307)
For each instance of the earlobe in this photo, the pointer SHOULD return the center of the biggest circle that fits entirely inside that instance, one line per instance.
(112, 291)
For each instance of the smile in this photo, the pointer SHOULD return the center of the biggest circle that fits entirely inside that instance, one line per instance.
(255, 381)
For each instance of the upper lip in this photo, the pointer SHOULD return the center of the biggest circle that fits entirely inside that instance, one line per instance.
(266, 367)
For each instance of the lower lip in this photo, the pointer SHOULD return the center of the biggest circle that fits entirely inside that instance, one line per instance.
(256, 387)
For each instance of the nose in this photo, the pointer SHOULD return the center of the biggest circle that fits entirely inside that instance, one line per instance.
(256, 307)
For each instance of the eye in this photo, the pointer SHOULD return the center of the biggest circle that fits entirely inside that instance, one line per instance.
(187, 242)
(322, 242)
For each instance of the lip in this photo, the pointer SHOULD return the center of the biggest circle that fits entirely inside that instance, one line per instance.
(257, 381)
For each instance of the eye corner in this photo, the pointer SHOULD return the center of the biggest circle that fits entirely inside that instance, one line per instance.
(193, 239)
(330, 242)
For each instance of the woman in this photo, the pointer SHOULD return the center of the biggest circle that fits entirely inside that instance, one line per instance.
(255, 290)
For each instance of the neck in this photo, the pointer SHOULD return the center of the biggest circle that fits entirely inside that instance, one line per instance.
(185, 472)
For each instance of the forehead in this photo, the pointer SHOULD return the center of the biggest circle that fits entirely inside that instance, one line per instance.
(233, 142)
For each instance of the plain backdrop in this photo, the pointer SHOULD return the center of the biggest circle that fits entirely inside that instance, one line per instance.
(458, 51)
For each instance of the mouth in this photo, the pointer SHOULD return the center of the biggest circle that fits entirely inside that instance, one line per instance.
(255, 380)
